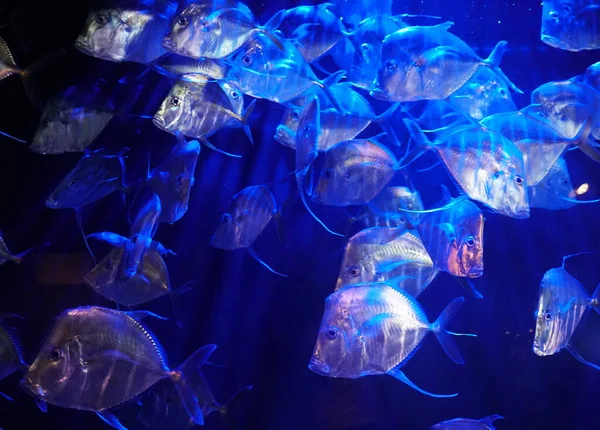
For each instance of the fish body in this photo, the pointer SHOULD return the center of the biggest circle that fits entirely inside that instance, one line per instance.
(486, 423)
(96, 175)
(488, 166)
(428, 63)
(353, 12)
(570, 25)
(391, 255)
(117, 34)
(97, 358)
(385, 209)
(591, 76)
(10, 351)
(550, 193)
(248, 214)
(354, 172)
(190, 69)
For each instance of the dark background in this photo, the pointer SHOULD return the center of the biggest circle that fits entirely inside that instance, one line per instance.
(265, 326)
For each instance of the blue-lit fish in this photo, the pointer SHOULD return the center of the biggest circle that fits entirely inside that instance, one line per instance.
(216, 28)
(248, 214)
(571, 25)
(591, 76)
(373, 329)
(391, 255)
(486, 423)
(352, 12)
(561, 304)
(11, 355)
(97, 358)
(555, 191)
(190, 69)
(429, 63)
(6, 255)
(385, 209)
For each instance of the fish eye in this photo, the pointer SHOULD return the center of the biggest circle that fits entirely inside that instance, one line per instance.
(547, 316)
(502, 92)
(180, 180)
(470, 241)
(101, 19)
(239, 219)
(226, 217)
(354, 271)
(332, 332)
(295, 115)
(518, 180)
(497, 174)
(183, 21)
(234, 94)
(246, 60)
(55, 355)
(175, 101)
(391, 65)
(365, 47)
(73, 182)
(108, 264)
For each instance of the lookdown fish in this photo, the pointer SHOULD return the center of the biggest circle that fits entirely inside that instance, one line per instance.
(96, 175)
(11, 355)
(591, 76)
(484, 94)
(385, 209)
(190, 69)
(429, 63)
(391, 255)
(216, 29)
(562, 302)
(6, 255)
(260, 69)
(352, 12)
(95, 359)
(486, 423)
(486, 165)
(162, 408)
(555, 191)
(372, 329)
(248, 214)
(120, 34)
(200, 109)
(570, 25)
(354, 172)
(438, 116)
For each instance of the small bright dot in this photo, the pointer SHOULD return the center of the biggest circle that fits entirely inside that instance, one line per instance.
(530, 330)
(583, 188)
(499, 22)
(507, 332)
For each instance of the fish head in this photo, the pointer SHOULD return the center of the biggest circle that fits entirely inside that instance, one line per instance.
(175, 110)
(185, 37)
(104, 274)
(225, 234)
(558, 304)
(334, 341)
(257, 54)
(56, 125)
(466, 252)
(337, 184)
(66, 192)
(392, 82)
(358, 265)
(286, 131)
(591, 76)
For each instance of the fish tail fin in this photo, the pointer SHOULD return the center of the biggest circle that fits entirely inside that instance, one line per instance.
(175, 294)
(271, 25)
(19, 257)
(257, 258)
(328, 82)
(423, 143)
(245, 116)
(493, 61)
(191, 366)
(300, 181)
(488, 421)
(443, 335)
(595, 299)
(28, 76)
(80, 225)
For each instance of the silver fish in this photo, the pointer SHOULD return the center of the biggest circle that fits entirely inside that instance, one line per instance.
(11, 357)
(97, 358)
(429, 63)
(486, 423)
(216, 29)
(200, 109)
(372, 329)
(352, 12)
(571, 25)
(125, 35)
(555, 190)
(6, 255)
(190, 69)
(385, 209)
(591, 76)
(391, 255)
(487, 166)
(561, 304)
(354, 172)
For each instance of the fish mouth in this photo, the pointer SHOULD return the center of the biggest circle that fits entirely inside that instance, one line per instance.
(169, 44)
(51, 203)
(83, 46)
(521, 213)
(319, 367)
(377, 93)
(159, 122)
(475, 273)
(538, 350)
(284, 135)
(35, 389)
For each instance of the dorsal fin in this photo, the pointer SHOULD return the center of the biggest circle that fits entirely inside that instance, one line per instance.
(5, 54)
(151, 337)
(11, 332)
(3, 246)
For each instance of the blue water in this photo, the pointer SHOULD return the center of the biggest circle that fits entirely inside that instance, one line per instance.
(265, 326)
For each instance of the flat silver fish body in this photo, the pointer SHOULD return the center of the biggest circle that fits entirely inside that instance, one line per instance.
(354, 172)
(483, 95)
(10, 354)
(591, 76)
(550, 193)
(191, 69)
(96, 175)
(391, 255)
(427, 63)
(540, 144)
(151, 281)
(199, 109)
(353, 12)
(123, 35)
(173, 179)
(367, 329)
(385, 209)
(561, 304)
(248, 214)
(486, 423)
(95, 359)
(571, 25)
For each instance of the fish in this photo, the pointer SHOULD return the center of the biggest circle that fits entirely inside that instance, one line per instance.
(373, 329)
(486, 165)
(353, 12)
(97, 358)
(190, 69)
(486, 423)
(394, 256)
(162, 409)
(11, 355)
(335, 127)
(562, 302)
(173, 179)
(200, 109)
(555, 190)
(354, 172)
(216, 29)
(261, 70)
(483, 95)
(249, 212)
(7, 255)
(385, 209)
(570, 25)
(591, 76)
(429, 63)
(132, 35)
